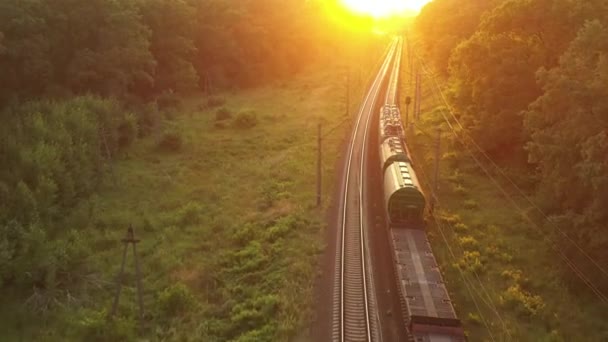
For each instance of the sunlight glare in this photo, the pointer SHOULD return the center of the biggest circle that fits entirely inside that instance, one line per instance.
(384, 8)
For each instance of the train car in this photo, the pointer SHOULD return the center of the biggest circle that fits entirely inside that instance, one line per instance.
(427, 307)
(403, 200)
(391, 150)
(430, 316)
(390, 123)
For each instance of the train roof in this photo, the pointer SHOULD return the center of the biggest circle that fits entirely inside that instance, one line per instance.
(420, 280)
(391, 150)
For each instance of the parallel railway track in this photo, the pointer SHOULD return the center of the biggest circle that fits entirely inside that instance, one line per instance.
(354, 310)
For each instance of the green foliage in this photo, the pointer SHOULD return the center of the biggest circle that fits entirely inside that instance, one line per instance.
(474, 318)
(569, 143)
(522, 301)
(175, 300)
(470, 204)
(468, 242)
(145, 48)
(471, 261)
(95, 326)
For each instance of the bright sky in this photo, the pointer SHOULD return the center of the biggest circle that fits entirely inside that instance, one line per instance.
(383, 8)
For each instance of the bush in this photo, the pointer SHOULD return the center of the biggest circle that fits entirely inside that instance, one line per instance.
(246, 120)
(470, 204)
(447, 218)
(451, 158)
(148, 118)
(468, 242)
(461, 227)
(222, 114)
(175, 300)
(170, 141)
(473, 318)
(95, 326)
(522, 301)
(215, 101)
(127, 131)
(470, 262)
(460, 190)
(455, 177)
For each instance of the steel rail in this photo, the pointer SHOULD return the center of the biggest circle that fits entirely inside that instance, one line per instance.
(355, 318)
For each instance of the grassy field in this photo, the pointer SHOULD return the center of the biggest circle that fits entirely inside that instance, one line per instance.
(222, 196)
(507, 284)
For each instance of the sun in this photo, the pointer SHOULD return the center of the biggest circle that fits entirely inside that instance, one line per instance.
(384, 8)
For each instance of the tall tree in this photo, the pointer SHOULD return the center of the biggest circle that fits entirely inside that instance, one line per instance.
(569, 138)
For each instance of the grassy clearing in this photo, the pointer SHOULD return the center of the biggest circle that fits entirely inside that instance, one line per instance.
(514, 278)
(222, 196)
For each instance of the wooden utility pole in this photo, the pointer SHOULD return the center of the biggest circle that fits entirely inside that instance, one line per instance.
(408, 101)
(347, 92)
(129, 239)
(418, 95)
(319, 166)
(436, 179)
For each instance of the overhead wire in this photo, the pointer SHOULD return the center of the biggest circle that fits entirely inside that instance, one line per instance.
(580, 274)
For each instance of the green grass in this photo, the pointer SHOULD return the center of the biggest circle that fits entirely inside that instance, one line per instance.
(525, 296)
(224, 205)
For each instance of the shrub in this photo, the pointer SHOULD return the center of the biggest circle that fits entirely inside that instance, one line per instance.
(461, 227)
(455, 177)
(176, 300)
(459, 189)
(448, 218)
(127, 131)
(474, 318)
(95, 326)
(215, 101)
(522, 301)
(189, 214)
(451, 158)
(246, 120)
(170, 141)
(470, 204)
(470, 262)
(468, 242)
(515, 275)
(222, 114)
(148, 118)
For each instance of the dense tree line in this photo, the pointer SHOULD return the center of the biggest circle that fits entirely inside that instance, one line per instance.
(528, 78)
(82, 79)
(144, 47)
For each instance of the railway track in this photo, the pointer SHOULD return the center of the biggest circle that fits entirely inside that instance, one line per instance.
(354, 309)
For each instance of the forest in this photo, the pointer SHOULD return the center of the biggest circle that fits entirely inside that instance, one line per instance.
(84, 81)
(528, 81)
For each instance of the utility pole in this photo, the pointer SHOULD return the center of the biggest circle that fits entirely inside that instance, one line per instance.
(129, 239)
(347, 92)
(408, 101)
(319, 171)
(418, 95)
(436, 179)
(410, 58)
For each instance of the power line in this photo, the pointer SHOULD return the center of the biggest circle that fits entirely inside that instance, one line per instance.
(489, 303)
(567, 260)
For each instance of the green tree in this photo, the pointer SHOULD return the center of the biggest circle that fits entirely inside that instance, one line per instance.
(172, 24)
(569, 142)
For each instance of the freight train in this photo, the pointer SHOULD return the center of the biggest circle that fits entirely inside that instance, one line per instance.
(427, 308)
